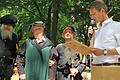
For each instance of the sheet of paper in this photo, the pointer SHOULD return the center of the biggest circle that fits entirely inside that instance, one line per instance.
(79, 47)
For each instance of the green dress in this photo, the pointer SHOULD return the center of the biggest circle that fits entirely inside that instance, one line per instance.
(36, 62)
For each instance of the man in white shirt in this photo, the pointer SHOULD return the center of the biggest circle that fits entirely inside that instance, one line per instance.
(106, 43)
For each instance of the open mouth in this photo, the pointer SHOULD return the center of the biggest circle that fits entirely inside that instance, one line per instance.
(67, 35)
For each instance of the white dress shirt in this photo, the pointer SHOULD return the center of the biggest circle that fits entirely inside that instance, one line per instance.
(107, 37)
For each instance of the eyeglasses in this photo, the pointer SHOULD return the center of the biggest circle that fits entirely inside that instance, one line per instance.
(91, 15)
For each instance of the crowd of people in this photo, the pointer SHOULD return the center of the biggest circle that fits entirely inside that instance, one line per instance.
(40, 59)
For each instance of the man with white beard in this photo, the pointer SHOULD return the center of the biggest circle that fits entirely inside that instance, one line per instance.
(8, 46)
(6, 31)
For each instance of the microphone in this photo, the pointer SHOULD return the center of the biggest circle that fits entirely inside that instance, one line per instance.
(92, 25)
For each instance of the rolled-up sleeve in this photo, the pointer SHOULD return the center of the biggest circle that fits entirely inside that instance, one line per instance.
(117, 37)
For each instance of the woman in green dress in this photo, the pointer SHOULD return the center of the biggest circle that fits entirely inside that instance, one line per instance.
(38, 53)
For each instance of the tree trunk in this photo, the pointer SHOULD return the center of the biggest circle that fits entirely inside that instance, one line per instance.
(56, 5)
(48, 23)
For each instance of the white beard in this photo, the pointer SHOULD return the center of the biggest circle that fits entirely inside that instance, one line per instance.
(6, 34)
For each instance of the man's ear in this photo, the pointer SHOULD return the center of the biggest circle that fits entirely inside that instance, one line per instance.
(102, 10)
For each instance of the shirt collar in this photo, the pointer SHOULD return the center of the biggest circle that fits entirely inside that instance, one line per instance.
(41, 40)
(107, 21)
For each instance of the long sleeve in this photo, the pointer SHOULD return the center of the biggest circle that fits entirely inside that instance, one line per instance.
(21, 58)
(62, 60)
(53, 54)
(20, 65)
(53, 68)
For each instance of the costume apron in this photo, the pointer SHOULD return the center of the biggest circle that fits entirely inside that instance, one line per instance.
(36, 62)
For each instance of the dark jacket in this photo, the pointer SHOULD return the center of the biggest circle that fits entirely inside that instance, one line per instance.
(8, 47)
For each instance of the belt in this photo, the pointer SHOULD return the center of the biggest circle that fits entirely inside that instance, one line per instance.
(106, 64)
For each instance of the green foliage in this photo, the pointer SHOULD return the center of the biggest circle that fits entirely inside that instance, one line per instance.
(71, 12)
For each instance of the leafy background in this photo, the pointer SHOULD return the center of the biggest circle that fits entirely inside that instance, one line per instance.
(56, 14)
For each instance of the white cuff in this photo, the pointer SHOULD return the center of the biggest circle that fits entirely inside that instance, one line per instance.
(118, 50)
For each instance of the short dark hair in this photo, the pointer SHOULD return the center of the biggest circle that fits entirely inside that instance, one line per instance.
(98, 5)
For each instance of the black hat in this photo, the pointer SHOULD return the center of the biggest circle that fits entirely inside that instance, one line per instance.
(8, 19)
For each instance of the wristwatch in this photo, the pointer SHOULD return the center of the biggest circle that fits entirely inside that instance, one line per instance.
(105, 51)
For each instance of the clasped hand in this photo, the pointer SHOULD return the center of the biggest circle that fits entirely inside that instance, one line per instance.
(73, 71)
(51, 62)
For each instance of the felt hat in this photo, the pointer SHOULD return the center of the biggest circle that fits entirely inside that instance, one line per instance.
(38, 24)
(8, 19)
